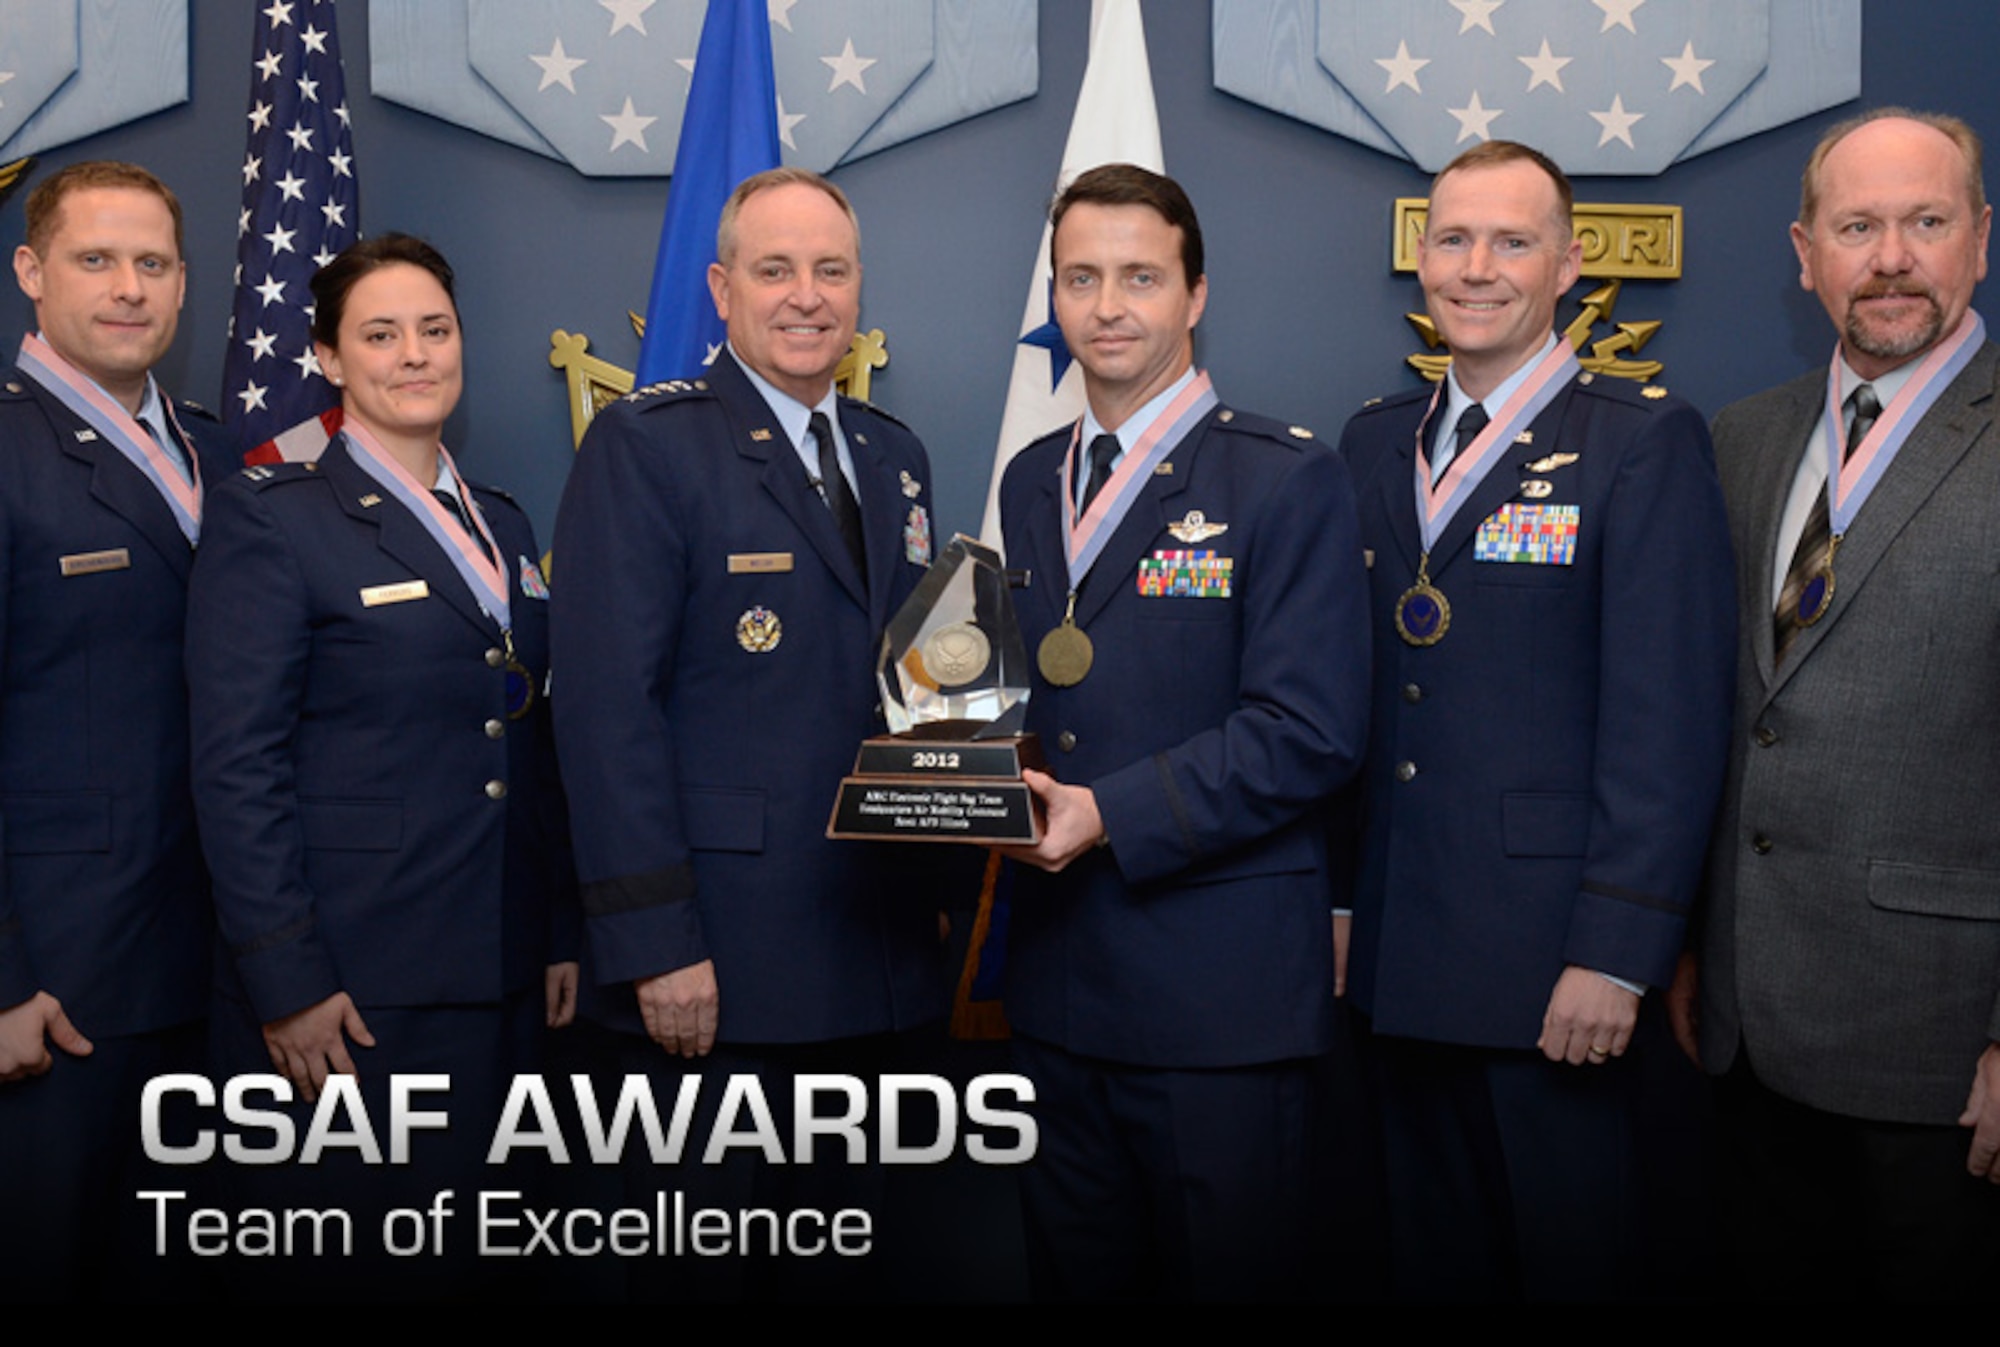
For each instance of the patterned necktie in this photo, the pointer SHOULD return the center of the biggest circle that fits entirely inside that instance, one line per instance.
(1863, 407)
(838, 495)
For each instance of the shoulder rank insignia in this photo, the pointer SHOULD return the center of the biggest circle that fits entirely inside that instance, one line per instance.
(1550, 463)
(1298, 432)
(1372, 402)
(1653, 391)
(1195, 528)
(257, 472)
(911, 486)
(1225, 416)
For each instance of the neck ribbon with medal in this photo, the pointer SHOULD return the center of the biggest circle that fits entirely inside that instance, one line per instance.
(484, 573)
(105, 415)
(1849, 484)
(1065, 654)
(1423, 614)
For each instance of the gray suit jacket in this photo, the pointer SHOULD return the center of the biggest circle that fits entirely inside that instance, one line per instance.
(1850, 940)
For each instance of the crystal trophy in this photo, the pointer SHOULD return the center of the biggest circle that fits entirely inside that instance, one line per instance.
(954, 678)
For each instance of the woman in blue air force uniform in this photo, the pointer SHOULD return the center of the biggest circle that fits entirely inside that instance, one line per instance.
(374, 774)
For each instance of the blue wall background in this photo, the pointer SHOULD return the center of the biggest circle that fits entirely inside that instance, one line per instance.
(1304, 318)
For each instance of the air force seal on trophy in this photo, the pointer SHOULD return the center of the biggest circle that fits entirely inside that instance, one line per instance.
(953, 673)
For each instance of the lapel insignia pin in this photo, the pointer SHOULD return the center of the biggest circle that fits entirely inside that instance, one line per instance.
(1164, 469)
(760, 434)
(1525, 437)
(1195, 528)
(1225, 416)
(860, 438)
(85, 436)
(371, 499)
(759, 630)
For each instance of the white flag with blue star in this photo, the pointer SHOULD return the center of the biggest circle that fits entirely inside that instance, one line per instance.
(1115, 123)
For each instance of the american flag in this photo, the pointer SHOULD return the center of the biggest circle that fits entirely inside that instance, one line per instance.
(301, 206)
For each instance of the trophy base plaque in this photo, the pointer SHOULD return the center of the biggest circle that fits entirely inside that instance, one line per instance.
(936, 783)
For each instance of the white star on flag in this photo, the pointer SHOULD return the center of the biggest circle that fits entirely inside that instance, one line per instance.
(847, 68)
(1402, 67)
(1474, 120)
(786, 121)
(628, 127)
(1545, 68)
(557, 67)
(1687, 68)
(628, 14)
(1477, 13)
(1618, 14)
(1617, 123)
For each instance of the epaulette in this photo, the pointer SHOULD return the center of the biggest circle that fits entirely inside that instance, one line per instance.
(1629, 391)
(1393, 400)
(485, 490)
(868, 406)
(667, 391)
(262, 476)
(1250, 423)
(16, 385)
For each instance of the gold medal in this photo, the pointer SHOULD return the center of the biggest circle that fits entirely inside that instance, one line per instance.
(1423, 614)
(1065, 654)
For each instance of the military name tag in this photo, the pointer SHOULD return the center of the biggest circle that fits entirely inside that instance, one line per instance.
(374, 596)
(1538, 535)
(759, 563)
(90, 563)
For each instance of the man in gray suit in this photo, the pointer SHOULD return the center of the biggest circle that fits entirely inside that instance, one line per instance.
(1848, 957)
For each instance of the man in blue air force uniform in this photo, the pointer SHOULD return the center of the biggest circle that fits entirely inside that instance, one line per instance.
(104, 914)
(728, 553)
(1198, 608)
(1553, 638)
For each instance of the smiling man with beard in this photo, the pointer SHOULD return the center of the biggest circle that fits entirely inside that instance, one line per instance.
(1849, 952)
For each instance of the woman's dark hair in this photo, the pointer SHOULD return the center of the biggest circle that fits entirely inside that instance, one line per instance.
(332, 282)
